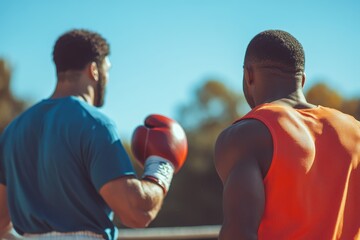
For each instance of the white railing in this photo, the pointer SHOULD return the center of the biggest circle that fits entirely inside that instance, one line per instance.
(179, 233)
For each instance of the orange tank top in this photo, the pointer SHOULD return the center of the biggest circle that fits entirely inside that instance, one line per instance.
(312, 188)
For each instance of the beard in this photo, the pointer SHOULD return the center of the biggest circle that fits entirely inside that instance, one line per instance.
(100, 90)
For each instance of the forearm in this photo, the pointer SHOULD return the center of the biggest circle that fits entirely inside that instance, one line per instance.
(152, 195)
(145, 199)
(136, 202)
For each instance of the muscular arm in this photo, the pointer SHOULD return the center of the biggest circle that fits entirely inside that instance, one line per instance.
(160, 145)
(243, 202)
(142, 202)
(242, 156)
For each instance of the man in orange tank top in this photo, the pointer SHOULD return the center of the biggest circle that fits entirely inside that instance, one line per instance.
(290, 169)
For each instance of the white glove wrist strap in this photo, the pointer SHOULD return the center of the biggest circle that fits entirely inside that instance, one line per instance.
(159, 170)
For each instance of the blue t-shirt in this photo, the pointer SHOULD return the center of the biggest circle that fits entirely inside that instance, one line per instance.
(54, 158)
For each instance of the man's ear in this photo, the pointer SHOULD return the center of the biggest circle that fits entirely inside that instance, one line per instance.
(303, 79)
(248, 75)
(94, 71)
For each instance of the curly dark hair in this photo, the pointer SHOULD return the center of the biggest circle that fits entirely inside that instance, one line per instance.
(76, 48)
(276, 48)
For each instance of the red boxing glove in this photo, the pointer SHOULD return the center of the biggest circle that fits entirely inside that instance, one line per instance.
(161, 147)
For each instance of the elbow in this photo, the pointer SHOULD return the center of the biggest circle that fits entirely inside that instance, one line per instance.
(144, 212)
(143, 220)
(141, 214)
(140, 219)
(140, 206)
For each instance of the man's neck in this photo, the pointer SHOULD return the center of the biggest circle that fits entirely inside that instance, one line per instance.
(67, 89)
(294, 99)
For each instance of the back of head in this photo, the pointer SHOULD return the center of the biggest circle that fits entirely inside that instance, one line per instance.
(276, 48)
(76, 48)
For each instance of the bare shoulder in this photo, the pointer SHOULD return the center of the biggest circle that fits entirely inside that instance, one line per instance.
(244, 140)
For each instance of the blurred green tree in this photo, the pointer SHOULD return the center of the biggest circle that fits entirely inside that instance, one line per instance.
(322, 94)
(10, 106)
(352, 107)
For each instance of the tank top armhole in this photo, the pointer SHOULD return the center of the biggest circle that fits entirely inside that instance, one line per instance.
(273, 136)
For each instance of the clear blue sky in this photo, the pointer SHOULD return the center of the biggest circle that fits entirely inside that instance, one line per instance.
(163, 49)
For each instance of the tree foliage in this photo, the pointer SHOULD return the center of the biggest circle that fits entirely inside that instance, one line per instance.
(10, 106)
(321, 94)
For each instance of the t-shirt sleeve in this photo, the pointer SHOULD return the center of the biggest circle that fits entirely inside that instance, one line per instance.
(106, 156)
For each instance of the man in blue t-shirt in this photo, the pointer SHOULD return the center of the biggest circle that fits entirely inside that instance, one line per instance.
(63, 168)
